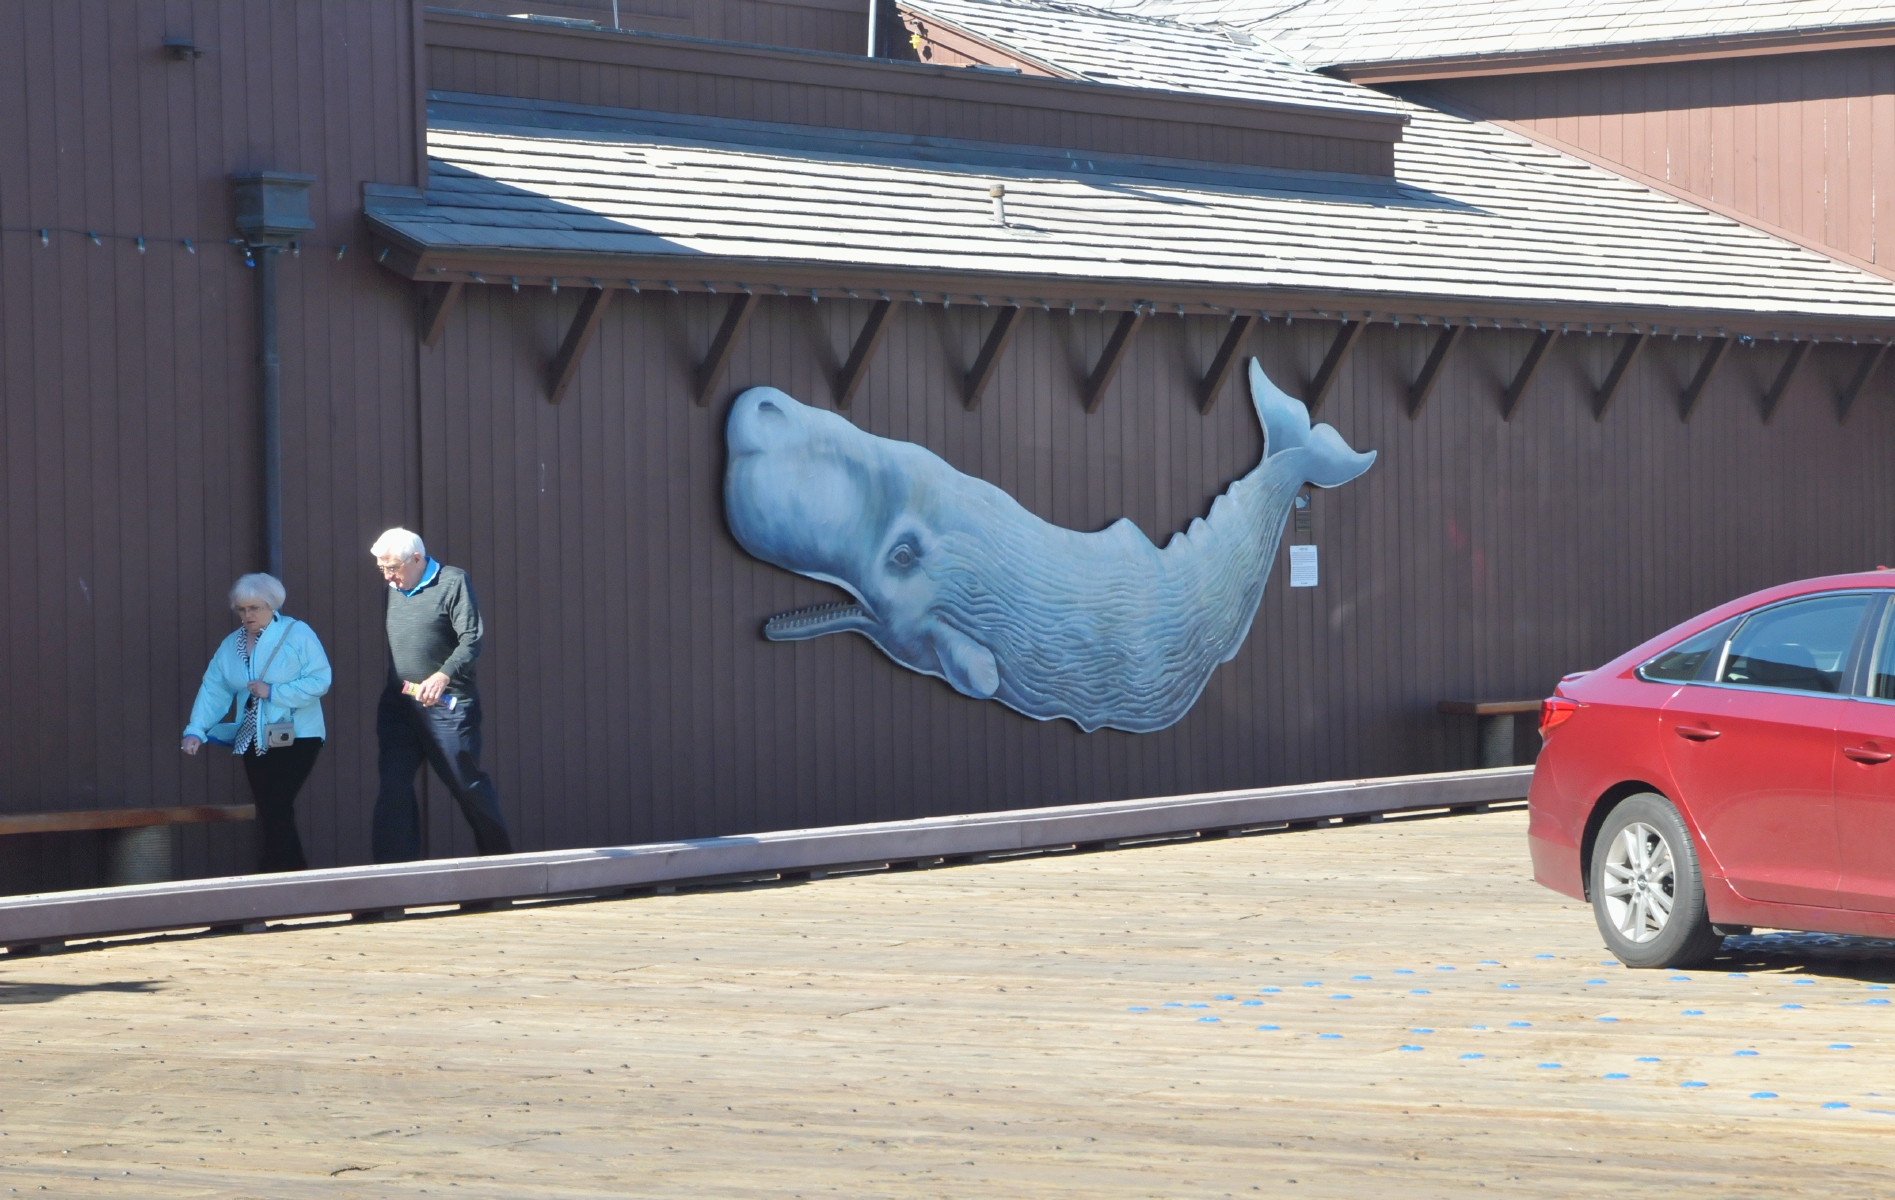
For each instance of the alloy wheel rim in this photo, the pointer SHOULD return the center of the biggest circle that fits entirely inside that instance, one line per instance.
(1640, 883)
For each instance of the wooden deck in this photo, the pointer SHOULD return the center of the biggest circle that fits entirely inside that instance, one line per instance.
(997, 1030)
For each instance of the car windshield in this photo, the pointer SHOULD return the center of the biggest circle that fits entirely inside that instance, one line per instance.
(1682, 662)
(1800, 646)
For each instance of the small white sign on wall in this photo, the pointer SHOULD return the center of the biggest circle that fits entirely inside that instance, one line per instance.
(1302, 566)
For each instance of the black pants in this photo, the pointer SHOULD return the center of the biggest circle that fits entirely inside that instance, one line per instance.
(275, 778)
(450, 743)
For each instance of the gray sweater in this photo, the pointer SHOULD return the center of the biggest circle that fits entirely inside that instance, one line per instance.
(436, 629)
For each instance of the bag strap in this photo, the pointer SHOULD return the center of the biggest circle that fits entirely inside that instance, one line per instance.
(277, 649)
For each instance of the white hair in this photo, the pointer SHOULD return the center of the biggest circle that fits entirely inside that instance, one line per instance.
(267, 588)
(398, 543)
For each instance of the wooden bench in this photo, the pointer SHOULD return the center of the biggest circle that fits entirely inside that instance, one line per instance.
(1495, 718)
(140, 847)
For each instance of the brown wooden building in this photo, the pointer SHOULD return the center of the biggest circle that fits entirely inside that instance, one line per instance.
(546, 254)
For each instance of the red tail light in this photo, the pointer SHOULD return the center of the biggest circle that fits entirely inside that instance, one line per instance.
(1555, 712)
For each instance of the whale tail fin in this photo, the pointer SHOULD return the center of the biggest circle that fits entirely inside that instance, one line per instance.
(1327, 459)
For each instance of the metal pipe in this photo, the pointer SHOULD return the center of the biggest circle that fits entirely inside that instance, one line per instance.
(270, 376)
(875, 12)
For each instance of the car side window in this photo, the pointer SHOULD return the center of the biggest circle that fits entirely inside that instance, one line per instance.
(1800, 646)
(1690, 659)
(1882, 668)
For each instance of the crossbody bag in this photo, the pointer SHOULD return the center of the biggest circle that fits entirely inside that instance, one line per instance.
(277, 734)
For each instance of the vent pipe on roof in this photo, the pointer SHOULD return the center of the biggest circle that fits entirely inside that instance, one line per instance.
(875, 16)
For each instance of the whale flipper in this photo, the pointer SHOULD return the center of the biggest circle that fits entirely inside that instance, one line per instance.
(1327, 459)
(967, 664)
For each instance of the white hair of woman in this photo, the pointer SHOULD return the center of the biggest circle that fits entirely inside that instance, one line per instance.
(398, 543)
(267, 589)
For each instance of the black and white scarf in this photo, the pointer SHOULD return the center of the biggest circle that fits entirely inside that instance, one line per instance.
(247, 727)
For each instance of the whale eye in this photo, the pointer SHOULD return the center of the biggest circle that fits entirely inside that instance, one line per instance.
(903, 556)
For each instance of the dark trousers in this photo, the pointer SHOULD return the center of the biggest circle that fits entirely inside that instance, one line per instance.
(450, 743)
(275, 778)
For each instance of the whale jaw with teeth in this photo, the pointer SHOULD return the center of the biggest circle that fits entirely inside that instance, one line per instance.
(952, 577)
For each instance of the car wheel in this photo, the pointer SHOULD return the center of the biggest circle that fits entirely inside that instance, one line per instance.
(1647, 894)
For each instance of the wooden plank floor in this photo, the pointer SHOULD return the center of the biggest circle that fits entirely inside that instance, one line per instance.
(996, 1030)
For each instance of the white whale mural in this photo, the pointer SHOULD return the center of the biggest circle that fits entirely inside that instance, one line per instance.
(952, 577)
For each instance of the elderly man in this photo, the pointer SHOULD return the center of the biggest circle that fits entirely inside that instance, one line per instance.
(430, 710)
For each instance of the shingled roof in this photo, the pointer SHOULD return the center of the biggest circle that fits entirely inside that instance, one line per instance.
(1334, 32)
(1476, 220)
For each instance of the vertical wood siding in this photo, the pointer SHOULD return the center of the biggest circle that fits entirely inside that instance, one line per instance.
(129, 427)
(631, 696)
(1805, 142)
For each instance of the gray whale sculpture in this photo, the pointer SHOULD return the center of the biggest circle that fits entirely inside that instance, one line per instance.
(952, 577)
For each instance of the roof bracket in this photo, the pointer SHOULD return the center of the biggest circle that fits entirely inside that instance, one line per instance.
(585, 323)
(712, 368)
(990, 351)
(1713, 354)
(1332, 363)
(1602, 399)
(866, 344)
(436, 303)
(1529, 367)
(1870, 361)
(1114, 354)
(1213, 382)
(1431, 370)
(1798, 352)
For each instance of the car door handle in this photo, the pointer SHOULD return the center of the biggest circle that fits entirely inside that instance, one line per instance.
(1698, 734)
(1863, 754)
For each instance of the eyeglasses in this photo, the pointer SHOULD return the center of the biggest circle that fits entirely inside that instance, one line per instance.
(389, 572)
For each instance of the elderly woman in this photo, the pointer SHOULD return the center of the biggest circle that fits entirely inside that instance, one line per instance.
(276, 666)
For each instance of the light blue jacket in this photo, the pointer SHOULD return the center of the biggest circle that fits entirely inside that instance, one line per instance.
(298, 679)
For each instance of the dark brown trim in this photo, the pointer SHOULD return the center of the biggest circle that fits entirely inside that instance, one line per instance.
(1781, 384)
(1846, 402)
(1431, 370)
(1602, 399)
(1332, 363)
(1212, 384)
(1629, 54)
(535, 268)
(418, 30)
(1112, 357)
(866, 343)
(585, 323)
(1529, 367)
(990, 351)
(712, 368)
(437, 303)
(758, 67)
(1713, 355)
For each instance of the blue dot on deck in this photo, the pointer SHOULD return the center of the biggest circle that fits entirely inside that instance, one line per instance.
(1361, 976)
(1411, 1047)
(1342, 996)
(1737, 975)
(1763, 1095)
(1421, 1031)
(1803, 982)
(1550, 1067)
(1514, 987)
(1251, 1004)
(1835, 1104)
(1330, 1037)
(1223, 997)
(1444, 968)
(1196, 1005)
(1693, 1012)
(1789, 1006)
(1267, 1027)
(1610, 962)
(1314, 983)
(1473, 1056)
(1679, 978)
(1609, 1020)
(1615, 1075)
(1172, 1004)
(1138, 1008)
(1489, 962)
(1744, 1054)
(1694, 1083)
(1403, 971)
(1875, 1001)
(1270, 991)
(1594, 982)
(1878, 987)
(1519, 1024)
(1542, 956)
(1202, 1020)
(1841, 1046)
(1419, 992)
(1482, 1028)
(1645, 1058)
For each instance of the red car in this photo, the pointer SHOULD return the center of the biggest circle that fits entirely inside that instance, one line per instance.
(1734, 772)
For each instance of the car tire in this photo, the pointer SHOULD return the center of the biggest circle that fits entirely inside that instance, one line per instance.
(1647, 893)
